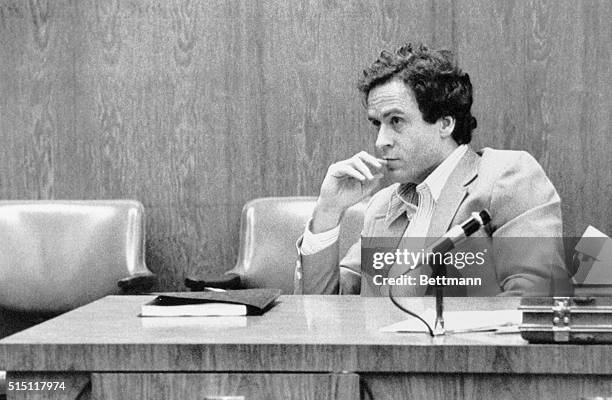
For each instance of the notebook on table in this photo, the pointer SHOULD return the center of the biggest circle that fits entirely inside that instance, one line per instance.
(199, 304)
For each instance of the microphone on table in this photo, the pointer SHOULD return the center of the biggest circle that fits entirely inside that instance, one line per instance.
(450, 240)
(458, 233)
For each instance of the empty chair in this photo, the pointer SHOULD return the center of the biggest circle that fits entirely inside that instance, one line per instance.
(58, 255)
(269, 229)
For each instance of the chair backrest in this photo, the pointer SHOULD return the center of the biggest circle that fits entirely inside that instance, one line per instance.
(269, 229)
(58, 255)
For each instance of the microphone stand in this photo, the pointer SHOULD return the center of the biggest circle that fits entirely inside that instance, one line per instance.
(439, 270)
(454, 237)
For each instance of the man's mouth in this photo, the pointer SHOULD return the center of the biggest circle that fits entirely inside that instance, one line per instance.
(392, 163)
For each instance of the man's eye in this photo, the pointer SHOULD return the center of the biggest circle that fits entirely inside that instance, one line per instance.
(395, 120)
(375, 123)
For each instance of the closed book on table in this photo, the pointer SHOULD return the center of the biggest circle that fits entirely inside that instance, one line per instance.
(199, 304)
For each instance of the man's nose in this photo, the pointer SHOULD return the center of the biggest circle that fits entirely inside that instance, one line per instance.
(385, 137)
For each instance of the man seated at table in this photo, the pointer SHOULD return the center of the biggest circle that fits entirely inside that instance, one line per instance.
(418, 101)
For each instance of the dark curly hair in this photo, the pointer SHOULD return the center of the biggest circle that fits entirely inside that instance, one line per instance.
(440, 87)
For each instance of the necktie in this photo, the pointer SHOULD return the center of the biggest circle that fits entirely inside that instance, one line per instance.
(414, 247)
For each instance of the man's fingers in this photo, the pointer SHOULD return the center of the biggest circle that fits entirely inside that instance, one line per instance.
(371, 160)
(344, 170)
(361, 167)
(376, 165)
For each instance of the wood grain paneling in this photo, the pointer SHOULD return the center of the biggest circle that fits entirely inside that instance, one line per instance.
(195, 108)
(542, 84)
(215, 386)
(487, 386)
(36, 87)
(190, 240)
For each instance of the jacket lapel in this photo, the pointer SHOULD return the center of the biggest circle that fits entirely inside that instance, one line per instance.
(454, 192)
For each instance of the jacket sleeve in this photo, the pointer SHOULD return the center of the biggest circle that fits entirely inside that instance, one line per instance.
(320, 273)
(527, 232)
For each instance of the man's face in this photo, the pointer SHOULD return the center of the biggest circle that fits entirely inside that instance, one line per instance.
(412, 147)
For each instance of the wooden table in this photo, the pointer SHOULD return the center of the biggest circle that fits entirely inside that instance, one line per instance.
(306, 347)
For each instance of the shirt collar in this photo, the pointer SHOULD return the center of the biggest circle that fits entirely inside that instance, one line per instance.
(436, 180)
(405, 198)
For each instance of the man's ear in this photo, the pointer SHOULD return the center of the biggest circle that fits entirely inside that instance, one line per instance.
(447, 126)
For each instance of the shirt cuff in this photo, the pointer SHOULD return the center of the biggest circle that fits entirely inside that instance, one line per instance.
(314, 243)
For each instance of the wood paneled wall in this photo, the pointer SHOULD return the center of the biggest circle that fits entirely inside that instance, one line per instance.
(195, 107)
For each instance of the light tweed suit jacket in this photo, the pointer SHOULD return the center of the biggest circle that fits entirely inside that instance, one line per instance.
(522, 202)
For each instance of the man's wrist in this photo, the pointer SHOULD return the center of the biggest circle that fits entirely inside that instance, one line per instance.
(313, 243)
(324, 219)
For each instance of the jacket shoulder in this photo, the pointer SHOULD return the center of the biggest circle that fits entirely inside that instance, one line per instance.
(501, 160)
(496, 165)
(516, 185)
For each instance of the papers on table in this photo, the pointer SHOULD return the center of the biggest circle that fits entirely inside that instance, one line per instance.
(194, 322)
(595, 251)
(152, 309)
(506, 321)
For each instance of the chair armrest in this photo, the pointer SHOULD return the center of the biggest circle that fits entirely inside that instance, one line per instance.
(137, 283)
(220, 281)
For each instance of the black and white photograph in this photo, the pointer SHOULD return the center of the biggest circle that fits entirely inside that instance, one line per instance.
(305, 199)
